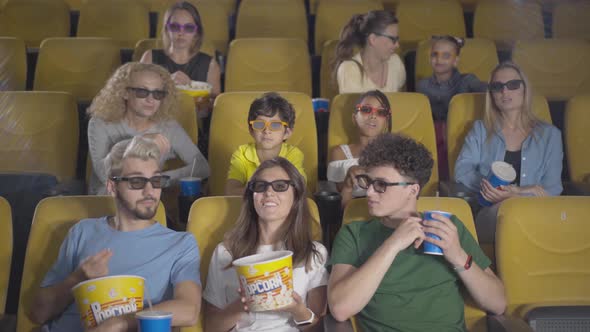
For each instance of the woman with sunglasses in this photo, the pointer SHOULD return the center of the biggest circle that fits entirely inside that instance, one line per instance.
(139, 99)
(271, 119)
(182, 37)
(274, 216)
(509, 132)
(375, 66)
(445, 82)
(371, 116)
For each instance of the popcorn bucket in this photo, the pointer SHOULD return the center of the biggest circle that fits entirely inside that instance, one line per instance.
(102, 298)
(267, 279)
(200, 92)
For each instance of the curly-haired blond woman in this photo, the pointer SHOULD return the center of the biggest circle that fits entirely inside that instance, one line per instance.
(139, 99)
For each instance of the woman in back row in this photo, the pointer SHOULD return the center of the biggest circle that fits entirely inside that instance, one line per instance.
(375, 66)
(182, 38)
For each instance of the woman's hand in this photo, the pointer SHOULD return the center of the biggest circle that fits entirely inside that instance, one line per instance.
(161, 141)
(181, 78)
(297, 309)
(496, 195)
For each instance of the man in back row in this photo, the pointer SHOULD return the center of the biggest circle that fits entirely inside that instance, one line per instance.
(129, 243)
(378, 271)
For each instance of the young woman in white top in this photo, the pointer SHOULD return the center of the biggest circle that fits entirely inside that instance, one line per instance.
(371, 116)
(375, 66)
(274, 216)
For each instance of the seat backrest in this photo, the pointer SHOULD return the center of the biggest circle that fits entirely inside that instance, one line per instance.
(35, 20)
(577, 136)
(557, 69)
(39, 133)
(53, 218)
(214, 16)
(570, 20)
(268, 64)
(13, 70)
(356, 210)
(272, 19)
(124, 21)
(332, 16)
(411, 116)
(210, 218)
(5, 250)
(328, 85)
(80, 66)
(505, 21)
(420, 19)
(152, 43)
(478, 56)
(464, 109)
(542, 251)
(229, 129)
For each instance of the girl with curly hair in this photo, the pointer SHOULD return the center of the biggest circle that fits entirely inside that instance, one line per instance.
(139, 99)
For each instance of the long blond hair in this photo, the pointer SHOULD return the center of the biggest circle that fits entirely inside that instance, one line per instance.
(110, 104)
(493, 116)
(199, 34)
(243, 240)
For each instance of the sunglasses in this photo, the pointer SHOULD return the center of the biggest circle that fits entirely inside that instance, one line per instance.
(144, 93)
(186, 28)
(394, 39)
(368, 109)
(497, 87)
(274, 125)
(380, 186)
(277, 185)
(139, 182)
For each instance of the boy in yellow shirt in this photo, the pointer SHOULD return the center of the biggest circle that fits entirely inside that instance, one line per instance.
(271, 119)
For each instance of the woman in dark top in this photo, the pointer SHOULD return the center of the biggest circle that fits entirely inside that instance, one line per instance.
(182, 36)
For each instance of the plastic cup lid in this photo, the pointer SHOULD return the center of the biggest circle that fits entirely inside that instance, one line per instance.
(504, 171)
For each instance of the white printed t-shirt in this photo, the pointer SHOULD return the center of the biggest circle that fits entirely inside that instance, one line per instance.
(222, 289)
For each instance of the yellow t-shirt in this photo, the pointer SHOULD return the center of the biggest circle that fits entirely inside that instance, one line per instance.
(244, 161)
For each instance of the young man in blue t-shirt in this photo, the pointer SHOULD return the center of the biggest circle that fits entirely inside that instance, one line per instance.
(129, 243)
(378, 272)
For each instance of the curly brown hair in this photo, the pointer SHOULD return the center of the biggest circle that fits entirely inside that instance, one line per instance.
(110, 105)
(409, 157)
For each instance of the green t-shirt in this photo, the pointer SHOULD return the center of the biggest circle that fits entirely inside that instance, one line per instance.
(419, 292)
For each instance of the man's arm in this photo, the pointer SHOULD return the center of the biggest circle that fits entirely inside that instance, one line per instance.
(485, 288)
(350, 289)
(51, 301)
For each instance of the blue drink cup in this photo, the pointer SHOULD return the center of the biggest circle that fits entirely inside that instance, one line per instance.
(429, 248)
(501, 174)
(321, 105)
(154, 321)
(190, 186)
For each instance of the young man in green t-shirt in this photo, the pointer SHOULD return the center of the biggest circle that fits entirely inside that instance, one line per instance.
(378, 270)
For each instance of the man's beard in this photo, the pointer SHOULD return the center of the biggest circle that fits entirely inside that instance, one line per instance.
(146, 213)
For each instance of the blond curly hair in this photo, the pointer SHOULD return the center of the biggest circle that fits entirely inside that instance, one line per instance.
(110, 105)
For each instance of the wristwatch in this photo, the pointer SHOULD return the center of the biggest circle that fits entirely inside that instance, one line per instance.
(465, 267)
(305, 322)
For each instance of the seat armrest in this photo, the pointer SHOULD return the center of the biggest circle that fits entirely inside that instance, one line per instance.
(507, 323)
(332, 325)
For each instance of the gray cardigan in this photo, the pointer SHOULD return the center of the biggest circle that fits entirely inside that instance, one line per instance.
(103, 135)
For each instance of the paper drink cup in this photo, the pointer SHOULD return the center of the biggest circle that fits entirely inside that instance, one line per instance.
(154, 321)
(190, 186)
(267, 279)
(501, 174)
(102, 298)
(430, 248)
(321, 105)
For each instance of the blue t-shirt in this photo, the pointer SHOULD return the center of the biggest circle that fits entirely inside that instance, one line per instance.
(162, 256)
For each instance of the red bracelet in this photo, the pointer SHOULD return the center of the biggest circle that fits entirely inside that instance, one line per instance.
(465, 267)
